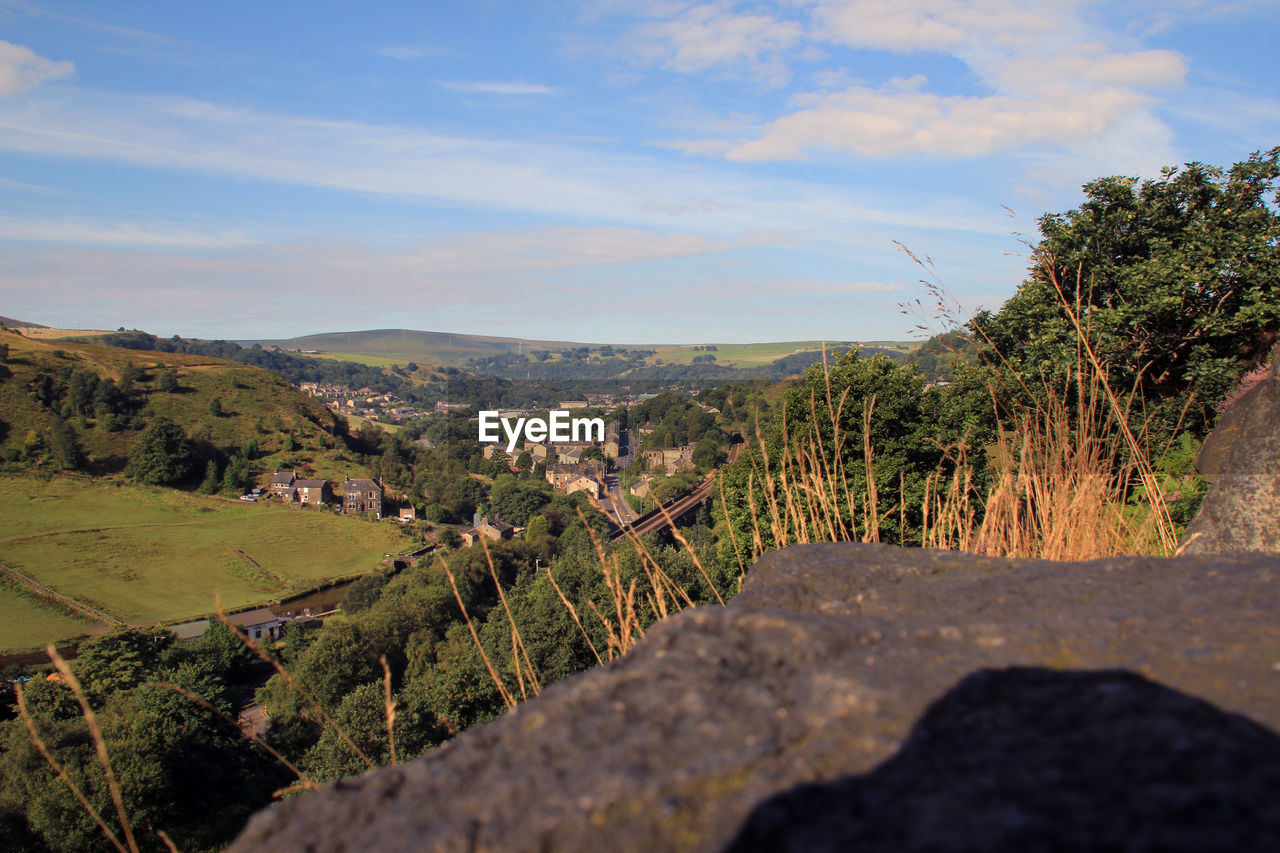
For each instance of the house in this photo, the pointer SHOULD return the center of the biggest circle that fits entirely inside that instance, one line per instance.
(361, 495)
(494, 529)
(671, 459)
(560, 474)
(282, 484)
(408, 515)
(313, 492)
(583, 483)
(640, 488)
(259, 623)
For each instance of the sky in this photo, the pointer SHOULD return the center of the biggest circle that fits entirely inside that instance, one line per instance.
(598, 171)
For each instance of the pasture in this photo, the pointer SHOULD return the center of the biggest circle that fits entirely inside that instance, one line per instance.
(147, 555)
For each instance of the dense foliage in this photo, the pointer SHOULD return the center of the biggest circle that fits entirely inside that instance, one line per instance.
(1175, 282)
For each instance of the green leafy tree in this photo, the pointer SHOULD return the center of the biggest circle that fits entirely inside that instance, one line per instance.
(162, 455)
(215, 407)
(167, 380)
(1176, 282)
(212, 481)
(116, 661)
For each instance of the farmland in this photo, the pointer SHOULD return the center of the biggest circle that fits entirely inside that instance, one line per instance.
(147, 555)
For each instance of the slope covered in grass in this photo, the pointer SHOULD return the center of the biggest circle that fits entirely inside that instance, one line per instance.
(147, 555)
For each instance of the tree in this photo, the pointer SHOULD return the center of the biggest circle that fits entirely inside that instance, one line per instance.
(212, 479)
(215, 407)
(1176, 282)
(167, 380)
(115, 661)
(162, 455)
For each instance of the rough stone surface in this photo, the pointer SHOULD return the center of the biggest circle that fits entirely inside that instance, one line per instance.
(817, 671)
(1037, 759)
(1241, 458)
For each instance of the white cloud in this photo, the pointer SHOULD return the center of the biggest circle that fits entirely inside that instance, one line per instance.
(889, 123)
(22, 69)
(496, 87)
(1046, 76)
(711, 34)
(477, 173)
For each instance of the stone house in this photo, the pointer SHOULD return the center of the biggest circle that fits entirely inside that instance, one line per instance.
(361, 495)
(493, 529)
(282, 484)
(313, 492)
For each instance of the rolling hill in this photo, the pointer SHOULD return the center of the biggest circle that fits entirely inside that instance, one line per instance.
(385, 347)
(256, 409)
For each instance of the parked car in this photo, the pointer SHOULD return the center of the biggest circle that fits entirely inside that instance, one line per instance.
(250, 498)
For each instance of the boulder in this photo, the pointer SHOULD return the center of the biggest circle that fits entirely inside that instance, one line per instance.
(817, 673)
(1241, 459)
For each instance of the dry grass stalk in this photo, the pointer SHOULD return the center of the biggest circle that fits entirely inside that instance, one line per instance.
(390, 706)
(99, 743)
(315, 705)
(507, 698)
(61, 773)
(168, 842)
(733, 537)
(1138, 458)
(871, 527)
(573, 612)
(517, 644)
(685, 542)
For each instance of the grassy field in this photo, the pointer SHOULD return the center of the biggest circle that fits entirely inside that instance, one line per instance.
(147, 555)
(30, 621)
(737, 355)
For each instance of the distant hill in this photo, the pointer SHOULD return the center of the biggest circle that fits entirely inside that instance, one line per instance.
(258, 408)
(400, 346)
(385, 347)
(15, 324)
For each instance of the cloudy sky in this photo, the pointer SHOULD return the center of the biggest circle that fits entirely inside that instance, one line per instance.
(602, 170)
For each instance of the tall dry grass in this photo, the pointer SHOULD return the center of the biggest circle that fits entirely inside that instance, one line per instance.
(1068, 480)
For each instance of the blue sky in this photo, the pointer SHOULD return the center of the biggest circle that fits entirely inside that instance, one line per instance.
(632, 172)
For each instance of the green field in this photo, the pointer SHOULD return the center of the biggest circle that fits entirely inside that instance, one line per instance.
(30, 621)
(737, 355)
(148, 555)
(389, 360)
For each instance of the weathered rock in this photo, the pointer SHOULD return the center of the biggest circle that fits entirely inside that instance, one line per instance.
(815, 672)
(1241, 458)
(1035, 759)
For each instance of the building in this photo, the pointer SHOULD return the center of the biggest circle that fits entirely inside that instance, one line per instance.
(313, 492)
(361, 495)
(493, 529)
(670, 459)
(408, 515)
(282, 484)
(583, 483)
(259, 624)
(560, 474)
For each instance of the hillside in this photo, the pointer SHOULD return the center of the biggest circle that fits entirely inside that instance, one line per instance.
(101, 396)
(11, 323)
(145, 555)
(386, 347)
